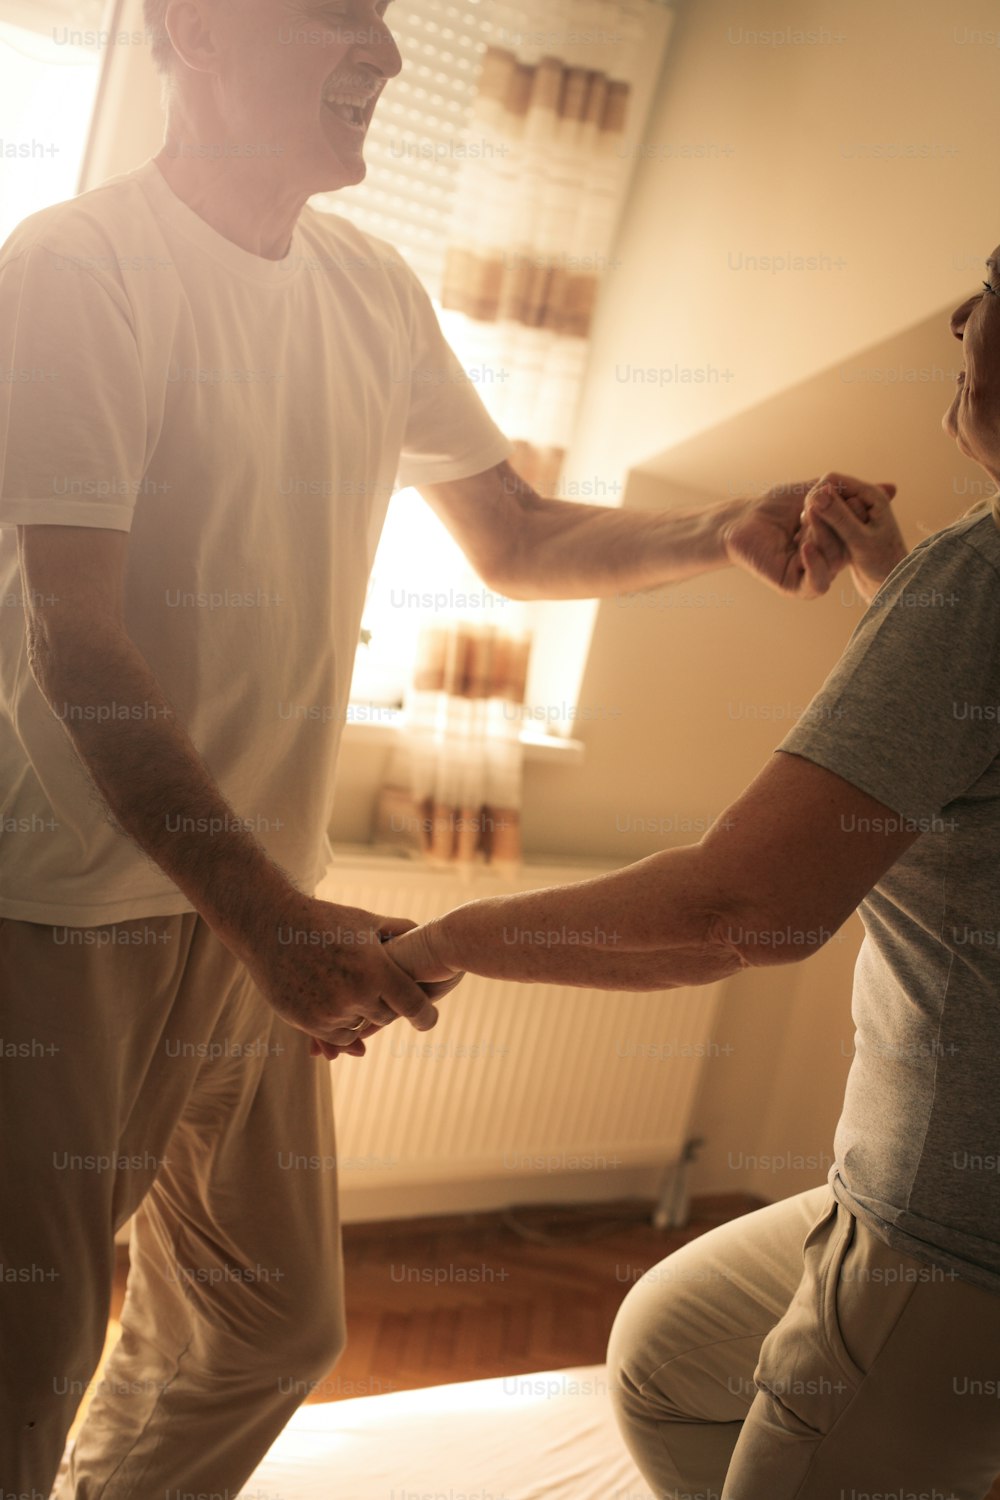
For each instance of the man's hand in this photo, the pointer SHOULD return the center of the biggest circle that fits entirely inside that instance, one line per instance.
(860, 516)
(416, 958)
(766, 539)
(323, 968)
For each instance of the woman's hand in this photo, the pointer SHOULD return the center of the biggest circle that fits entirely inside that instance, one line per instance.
(418, 953)
(766, 538)
(860, 516)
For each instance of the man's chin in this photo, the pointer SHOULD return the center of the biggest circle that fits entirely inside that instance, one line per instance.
(341, 170)
(330, 176)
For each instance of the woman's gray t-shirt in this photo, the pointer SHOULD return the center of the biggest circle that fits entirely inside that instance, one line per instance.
(911, 715)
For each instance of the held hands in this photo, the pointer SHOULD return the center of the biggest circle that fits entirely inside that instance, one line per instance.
(861, 518)
(800, 552)
(418, 952)
(413, 949)
(327, 967)
(323, 968)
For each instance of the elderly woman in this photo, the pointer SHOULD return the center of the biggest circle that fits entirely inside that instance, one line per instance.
(845, 1340)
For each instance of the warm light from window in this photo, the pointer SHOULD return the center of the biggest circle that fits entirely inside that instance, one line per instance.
(421, 575)
(47, 90)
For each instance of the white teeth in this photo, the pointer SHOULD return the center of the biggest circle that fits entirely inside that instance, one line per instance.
(349, 113)
(351, 108)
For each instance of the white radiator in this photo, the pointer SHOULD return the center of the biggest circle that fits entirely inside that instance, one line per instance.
(521, 1093)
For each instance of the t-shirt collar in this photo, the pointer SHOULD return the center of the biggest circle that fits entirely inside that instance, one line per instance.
(181, 217)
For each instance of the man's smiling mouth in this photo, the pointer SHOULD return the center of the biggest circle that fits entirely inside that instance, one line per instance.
(353, 108)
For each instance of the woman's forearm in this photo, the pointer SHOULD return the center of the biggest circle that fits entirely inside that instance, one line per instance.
(771, 882)
(644, 927)
(498, 947)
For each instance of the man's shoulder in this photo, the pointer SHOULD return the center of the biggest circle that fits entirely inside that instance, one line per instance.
(100, 230)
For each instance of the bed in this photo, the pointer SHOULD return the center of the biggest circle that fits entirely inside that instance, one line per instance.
(548, 1435)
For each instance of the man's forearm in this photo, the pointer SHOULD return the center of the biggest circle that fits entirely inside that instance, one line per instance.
(575, 551)
(156, 786)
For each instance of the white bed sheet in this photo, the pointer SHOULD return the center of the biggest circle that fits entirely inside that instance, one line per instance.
(549, 1435)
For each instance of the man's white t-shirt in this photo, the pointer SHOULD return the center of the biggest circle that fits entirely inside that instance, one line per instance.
(246, 421)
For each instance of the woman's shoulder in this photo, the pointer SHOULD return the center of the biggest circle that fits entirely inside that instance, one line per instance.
(965, 553)
(977, 531)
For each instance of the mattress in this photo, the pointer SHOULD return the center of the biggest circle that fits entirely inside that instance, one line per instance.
(544, 1436)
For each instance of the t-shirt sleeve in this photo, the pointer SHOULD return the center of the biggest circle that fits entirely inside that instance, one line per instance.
(911, 712)
(72, 397)
(449, 433)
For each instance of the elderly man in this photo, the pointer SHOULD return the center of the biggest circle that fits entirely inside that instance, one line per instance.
(204, 336)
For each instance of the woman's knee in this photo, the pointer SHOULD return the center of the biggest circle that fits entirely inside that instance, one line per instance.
(685, 1343)
(647, 1333)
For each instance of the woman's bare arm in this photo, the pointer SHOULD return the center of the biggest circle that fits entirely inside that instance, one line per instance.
(770, 883)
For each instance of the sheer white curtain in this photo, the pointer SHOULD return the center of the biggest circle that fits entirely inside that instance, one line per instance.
(448, 187)
(539, 188)
(539, 195)
(453, 791)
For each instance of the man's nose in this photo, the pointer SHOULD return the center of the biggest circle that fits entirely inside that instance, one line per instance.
(378, 47)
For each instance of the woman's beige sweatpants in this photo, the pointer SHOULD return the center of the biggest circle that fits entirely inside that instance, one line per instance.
(143, 1073)
(792, 1355)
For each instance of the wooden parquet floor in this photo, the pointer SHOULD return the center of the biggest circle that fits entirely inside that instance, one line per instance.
(437, 1300)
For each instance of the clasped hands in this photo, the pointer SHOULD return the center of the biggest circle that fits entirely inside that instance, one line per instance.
(798, 537)
(329, 971)
(392, 931)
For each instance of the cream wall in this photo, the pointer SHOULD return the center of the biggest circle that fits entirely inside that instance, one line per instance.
(787, 136)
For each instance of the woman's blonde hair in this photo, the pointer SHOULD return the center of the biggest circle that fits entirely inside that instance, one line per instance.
(988, 502)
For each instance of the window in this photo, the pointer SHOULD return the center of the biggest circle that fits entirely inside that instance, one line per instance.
(414, 143)
(50, 56)
(413, 153)
(415, 150)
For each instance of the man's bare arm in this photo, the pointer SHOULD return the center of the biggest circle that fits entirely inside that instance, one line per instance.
(528, 547)
(531, 547)
(156, 786)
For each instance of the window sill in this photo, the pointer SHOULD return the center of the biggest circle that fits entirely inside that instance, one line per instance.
(369, 724)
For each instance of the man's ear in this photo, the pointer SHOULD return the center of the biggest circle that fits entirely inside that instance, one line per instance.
(192, 26)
